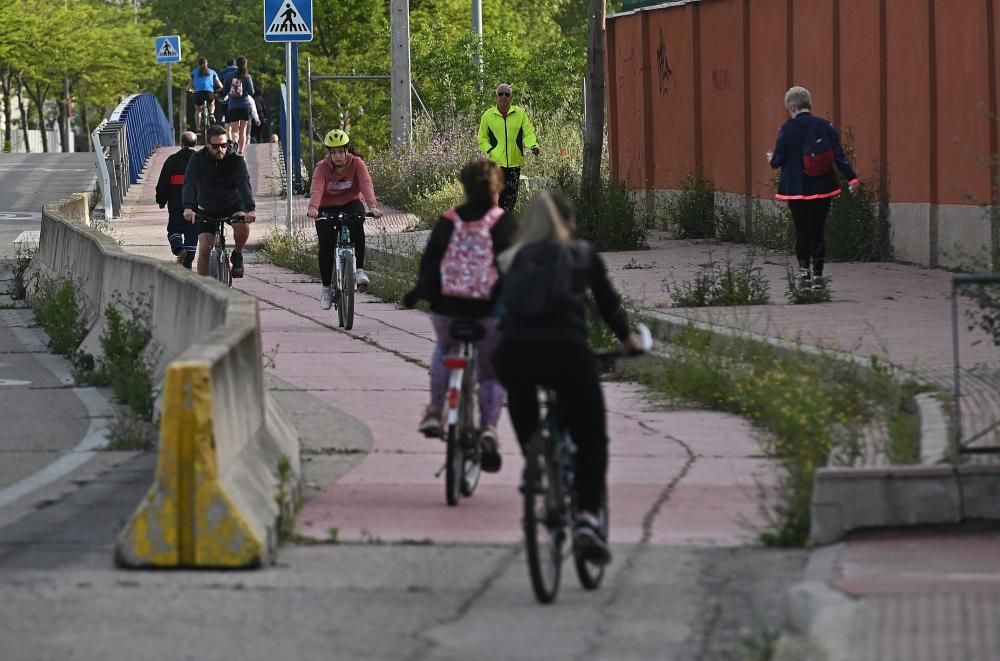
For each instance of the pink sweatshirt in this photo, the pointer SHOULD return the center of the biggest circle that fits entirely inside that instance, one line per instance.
(333, 188)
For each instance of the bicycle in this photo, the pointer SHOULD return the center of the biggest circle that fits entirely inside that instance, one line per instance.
(463, 457)
(218, 259)
(207, 119)
(550, 507)
(343, 280)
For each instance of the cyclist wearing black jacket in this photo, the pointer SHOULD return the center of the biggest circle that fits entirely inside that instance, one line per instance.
(217, 183)
(482, 181)
(550, 348)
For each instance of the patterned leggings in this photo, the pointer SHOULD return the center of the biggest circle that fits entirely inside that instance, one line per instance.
(491, 393)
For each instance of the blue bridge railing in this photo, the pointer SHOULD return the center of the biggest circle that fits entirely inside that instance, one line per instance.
(146, 128)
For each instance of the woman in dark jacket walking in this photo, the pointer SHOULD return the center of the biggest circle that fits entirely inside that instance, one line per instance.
(806, 182)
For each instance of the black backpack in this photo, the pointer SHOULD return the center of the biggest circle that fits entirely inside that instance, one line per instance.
(539, 283)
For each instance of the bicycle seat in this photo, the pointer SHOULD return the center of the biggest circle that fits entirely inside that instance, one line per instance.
(467, 330)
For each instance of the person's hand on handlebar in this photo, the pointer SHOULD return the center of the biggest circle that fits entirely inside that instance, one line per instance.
(632, 345)
(312, 213)
(250, 216)
(189, 215)
(375, 212)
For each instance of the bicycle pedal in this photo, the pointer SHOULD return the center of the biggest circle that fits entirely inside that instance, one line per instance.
(440, 470)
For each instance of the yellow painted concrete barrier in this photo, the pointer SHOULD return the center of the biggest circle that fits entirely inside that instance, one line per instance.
(188, 518)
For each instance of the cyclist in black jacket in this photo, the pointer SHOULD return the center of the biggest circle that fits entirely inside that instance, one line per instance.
(217, 184)
(182, 236)
(550, 348)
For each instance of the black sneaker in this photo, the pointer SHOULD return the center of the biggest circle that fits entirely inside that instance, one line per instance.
(237, 260)
(589, 540)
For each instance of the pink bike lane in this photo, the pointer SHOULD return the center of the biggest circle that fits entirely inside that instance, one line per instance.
(674, 476)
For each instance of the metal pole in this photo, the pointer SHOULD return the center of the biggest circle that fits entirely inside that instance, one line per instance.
(288, 136)
(477, 27)
(957, 424)
(312, 131)
(170, 105)
(69, 136)
(402, 112)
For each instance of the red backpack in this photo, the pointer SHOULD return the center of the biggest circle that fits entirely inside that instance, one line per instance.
(467, 268)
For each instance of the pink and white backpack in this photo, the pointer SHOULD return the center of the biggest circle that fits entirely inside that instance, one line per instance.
(467, 268)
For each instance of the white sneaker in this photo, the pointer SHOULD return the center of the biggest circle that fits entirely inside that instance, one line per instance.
(361, 280)
(326, 298)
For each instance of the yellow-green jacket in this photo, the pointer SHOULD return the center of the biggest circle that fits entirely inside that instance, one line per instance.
(505, 139)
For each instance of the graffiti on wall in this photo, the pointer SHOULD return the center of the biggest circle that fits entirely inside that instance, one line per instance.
(720, 80)
(666, 74)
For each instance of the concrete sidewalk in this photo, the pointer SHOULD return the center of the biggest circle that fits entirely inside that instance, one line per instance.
(676, 476)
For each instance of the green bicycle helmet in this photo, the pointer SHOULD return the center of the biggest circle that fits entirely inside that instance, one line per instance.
(336, 138)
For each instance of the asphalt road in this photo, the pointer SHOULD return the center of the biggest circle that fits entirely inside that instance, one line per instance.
(28, 181)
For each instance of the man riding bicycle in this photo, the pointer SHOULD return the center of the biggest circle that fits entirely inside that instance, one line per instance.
(217, 184)
(340, 182)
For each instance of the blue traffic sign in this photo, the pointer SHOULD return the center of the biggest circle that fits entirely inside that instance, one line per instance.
(288, 20)
(168, 49)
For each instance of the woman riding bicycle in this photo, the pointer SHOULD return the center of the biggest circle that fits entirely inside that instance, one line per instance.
(458, 276)
(204, 82)
(543, 342)
(340, 182)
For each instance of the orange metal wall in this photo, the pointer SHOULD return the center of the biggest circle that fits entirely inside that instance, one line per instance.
(914, 84)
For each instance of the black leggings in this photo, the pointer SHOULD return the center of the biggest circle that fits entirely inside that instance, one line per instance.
(571, 370)
(511, 185)
(327, 232)
(810, 224)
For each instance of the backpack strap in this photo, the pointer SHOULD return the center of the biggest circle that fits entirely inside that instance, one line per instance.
(493, 216)
(453, 216)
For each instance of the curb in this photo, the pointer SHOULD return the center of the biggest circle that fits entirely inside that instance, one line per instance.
(819, 617)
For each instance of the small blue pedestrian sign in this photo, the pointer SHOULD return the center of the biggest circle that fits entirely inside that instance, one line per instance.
(288, 20)
(168, 49)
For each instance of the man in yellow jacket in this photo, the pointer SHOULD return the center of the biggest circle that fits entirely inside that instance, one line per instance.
(505, 132)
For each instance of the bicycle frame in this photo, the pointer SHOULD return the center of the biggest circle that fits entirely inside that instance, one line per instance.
(345, 255)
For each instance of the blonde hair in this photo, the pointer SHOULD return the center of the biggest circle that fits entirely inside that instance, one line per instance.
(798, 98)
(541, 222)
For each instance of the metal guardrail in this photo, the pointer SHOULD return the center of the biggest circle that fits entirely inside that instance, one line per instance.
(122, 145)
(963, 445)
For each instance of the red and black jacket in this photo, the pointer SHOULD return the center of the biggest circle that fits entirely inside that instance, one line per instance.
(170, 186)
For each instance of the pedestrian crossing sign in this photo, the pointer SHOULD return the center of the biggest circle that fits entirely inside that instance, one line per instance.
(168, 49)
(288, 20)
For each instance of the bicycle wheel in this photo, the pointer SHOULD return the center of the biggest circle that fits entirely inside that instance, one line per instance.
(544, 533)
(454, 461)
(347, 295)
(590, 573)
(470, 438)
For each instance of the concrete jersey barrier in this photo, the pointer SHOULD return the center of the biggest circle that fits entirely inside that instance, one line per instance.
(221, 438)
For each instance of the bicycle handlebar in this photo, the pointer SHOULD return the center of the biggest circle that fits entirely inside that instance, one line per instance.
(235, 219)
(645, 345)
(343, 214)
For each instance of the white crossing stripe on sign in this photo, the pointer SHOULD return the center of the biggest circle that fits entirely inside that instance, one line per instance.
(288, 21)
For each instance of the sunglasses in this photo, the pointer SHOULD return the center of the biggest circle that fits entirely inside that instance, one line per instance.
(503, 93)
(218, 145)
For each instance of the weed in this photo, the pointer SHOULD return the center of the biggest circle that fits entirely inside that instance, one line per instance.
(22, 260)
(634, 265)
(691, 213)
(607, 217)
(333, 534)
(772, 227)
(292, 250)
(269, 359)
(858, 229)
(59, 307)
(130, 431)
(287, 498)
(124, 342)
(722, 285)
(986, 316)
(799, 292)
(394, 265)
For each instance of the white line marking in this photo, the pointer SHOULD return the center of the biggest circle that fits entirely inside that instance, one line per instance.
(14, 382)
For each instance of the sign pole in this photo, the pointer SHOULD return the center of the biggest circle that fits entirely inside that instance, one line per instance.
(288, 133)
(170, 105)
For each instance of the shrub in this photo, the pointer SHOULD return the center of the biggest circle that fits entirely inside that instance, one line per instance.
(722, 285)
(608, 217)
(690, 214)
(22, 260)
(858, 229)
(60, 312)
(772, 227)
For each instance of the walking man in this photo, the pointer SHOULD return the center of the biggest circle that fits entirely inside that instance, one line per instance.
(505, 132)
(182, 235)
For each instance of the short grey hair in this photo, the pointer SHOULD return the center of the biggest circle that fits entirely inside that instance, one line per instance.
(504, 87)
(798, 98)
